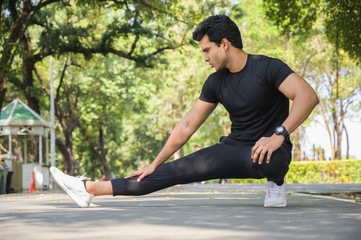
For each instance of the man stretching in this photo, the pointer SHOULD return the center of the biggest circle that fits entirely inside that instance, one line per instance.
(255, 90)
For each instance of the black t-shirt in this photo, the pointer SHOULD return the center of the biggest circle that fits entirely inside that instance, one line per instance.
(251, 96)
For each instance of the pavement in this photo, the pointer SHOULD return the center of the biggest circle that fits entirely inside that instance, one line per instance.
(210, 211)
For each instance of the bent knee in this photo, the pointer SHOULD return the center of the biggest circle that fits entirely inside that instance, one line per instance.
(279, 164)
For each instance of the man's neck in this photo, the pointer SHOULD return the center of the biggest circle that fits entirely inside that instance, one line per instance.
(237, 60)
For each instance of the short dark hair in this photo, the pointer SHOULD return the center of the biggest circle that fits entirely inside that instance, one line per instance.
(219, 27)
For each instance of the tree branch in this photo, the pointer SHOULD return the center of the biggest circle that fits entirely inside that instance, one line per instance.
(76, 100)
(43, 4)
(303, 72)
(133, 45)
(161, 50)
(43, 85)
(61, 78)
(76, 123)
(12, 7)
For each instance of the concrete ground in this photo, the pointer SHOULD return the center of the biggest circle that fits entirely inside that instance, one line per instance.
(209, 212)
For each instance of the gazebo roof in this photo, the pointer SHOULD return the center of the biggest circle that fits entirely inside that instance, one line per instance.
(18, 113)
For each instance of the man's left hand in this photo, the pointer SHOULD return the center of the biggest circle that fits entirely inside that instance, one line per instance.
(266, 145)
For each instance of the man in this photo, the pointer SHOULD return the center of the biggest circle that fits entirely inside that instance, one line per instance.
(255, 90)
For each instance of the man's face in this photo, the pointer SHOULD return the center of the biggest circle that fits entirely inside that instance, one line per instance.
(213, 54)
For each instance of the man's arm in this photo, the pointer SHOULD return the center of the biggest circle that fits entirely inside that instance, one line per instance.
(179, 136)
(304, 100)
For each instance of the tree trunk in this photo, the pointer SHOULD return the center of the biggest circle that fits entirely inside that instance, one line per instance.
(297, 154)
(64, 152)
(336, 121)
(338, 135)
(347, 143)
(70, 164)
(28, 83)
(325, 119)
(3, 89)
(99, 150)
(73, 167)
(102, 155)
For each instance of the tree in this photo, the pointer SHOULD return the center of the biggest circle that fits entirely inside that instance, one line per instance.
(340, 20)
(134, 30)
(16, 16)
(145, 27)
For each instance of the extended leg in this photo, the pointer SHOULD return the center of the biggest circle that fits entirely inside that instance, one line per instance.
(99, 188)
(218, 161)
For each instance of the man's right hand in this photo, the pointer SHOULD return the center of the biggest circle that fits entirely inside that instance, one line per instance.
(142, 173)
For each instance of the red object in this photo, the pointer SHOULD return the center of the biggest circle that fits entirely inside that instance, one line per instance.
(104, 177)
(32, 187)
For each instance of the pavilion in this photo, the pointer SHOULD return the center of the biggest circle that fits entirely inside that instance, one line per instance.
(18, 119)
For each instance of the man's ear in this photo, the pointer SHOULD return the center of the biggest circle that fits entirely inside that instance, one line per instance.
(225, 44)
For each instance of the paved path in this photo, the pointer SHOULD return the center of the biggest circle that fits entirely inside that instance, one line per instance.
(185, 212)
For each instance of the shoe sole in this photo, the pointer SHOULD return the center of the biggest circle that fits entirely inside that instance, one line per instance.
(80, 203)
(275, 206)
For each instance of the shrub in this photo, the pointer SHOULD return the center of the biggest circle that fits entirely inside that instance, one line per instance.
(337, 171)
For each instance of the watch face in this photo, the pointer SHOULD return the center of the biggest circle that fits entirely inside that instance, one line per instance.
(279, 129)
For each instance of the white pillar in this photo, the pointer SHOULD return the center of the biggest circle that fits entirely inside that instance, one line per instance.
(47, 148)
(25, 150)
(52, 117)
(10, 145)
(40, 151)
(52, 114)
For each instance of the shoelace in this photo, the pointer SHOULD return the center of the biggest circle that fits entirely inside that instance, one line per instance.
(273, 189)
(82, 177)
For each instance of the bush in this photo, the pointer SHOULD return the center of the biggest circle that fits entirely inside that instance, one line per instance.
(338, 171)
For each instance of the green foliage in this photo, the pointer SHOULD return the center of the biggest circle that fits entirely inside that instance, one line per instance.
(340, 20)
(294, 17)
(134, 30)
(338, 171)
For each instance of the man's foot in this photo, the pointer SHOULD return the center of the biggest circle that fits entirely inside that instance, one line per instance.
(73, 186)
(275, 195)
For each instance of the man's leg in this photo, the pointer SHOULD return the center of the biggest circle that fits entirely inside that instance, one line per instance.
(277, 169)
(99, 188)
(229, 159)
(275, 173)
(218, 161)
(196, 167)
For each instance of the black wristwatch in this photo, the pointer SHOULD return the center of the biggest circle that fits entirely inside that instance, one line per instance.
(281, 130)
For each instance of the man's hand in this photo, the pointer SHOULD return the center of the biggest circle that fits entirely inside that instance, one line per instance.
(142, 173)
(266, 145)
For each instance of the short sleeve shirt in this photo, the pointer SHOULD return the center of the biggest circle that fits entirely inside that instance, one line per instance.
(251, 96)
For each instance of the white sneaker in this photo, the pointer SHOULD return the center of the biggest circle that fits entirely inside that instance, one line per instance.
(73, 186)
(275, 195)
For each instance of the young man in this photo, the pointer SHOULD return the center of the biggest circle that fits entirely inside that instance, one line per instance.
(255, 90)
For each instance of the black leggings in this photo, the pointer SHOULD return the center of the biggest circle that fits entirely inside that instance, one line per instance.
(227, 159)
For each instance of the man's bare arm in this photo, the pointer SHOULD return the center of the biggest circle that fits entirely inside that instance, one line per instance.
(179, 136)
(304, 100)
